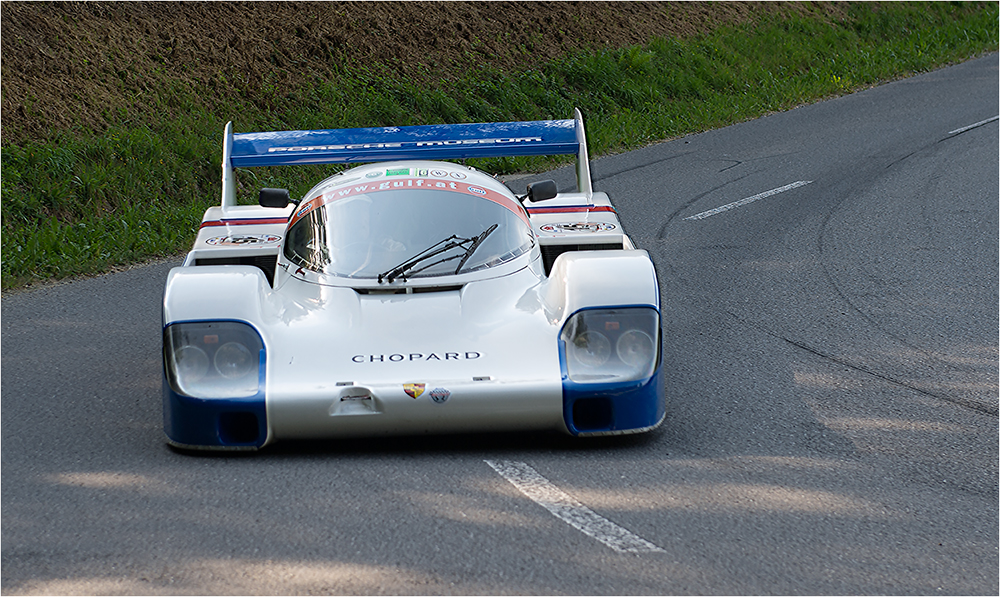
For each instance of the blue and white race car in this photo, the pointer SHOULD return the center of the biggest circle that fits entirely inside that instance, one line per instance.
(410, 295)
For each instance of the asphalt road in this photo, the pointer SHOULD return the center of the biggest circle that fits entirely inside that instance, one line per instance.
(832, 358)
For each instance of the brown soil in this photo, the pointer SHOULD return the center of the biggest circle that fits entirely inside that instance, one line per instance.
(67, 64)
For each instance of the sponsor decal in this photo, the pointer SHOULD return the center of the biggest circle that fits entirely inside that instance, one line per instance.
(423, 172)
(409, 357)
(577, 227)
(402, 144)
(414, 390)
(458, 175)
(510, 141)
(398, 172)
(244, 240)
(336, 147)
(375, 174)
(440, 395)
(410, 183)
(439, 173)
(307, 208)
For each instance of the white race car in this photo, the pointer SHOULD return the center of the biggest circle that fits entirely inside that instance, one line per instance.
(410, 296)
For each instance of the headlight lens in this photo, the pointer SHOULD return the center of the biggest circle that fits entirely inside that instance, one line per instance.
(635, 348)
(588, 338)
(191, 362)
(234, 361)
(213, 359)
(590, 349)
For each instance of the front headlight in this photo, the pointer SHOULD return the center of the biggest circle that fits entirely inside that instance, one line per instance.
(611, 345)
(635, 348)
(190, 362)
(220, 359)
(234, 361)
(590, 349)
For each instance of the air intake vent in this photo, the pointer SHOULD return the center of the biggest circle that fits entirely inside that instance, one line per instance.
(409, 289)
(266, 263)
(593, 414)
(550, 252)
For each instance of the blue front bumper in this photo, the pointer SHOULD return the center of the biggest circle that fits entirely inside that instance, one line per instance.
(614, 408)
(214, 424)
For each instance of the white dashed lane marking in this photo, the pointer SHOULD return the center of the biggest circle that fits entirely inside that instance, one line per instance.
(972, 126)
(748, 200)
(569, 510)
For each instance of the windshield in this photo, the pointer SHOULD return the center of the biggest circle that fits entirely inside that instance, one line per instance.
(366, 235)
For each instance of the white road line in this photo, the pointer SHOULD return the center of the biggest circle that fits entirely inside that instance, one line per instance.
(742, 202)
(567, 509)
(972, 126)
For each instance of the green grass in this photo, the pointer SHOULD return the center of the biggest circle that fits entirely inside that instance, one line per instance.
(81, 202)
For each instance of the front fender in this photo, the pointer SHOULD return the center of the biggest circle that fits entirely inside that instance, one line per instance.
(230, 292)
(610, 278)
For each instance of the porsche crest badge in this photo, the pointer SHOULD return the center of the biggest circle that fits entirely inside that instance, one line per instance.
(413, 390)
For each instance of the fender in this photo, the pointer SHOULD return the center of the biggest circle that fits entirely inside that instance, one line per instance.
(610, 278)
(230, 292)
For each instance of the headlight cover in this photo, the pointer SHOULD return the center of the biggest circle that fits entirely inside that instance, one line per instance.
(611, 345)
(217, 359)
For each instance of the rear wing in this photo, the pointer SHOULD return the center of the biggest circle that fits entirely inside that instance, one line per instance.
(426, 142)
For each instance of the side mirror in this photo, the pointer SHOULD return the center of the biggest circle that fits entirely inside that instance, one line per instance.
(274, 198)
(542, 190)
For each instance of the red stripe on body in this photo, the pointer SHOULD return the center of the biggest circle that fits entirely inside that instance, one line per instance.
(570, 209)
(244, 222)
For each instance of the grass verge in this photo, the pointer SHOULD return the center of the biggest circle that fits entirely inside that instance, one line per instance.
(80, 202)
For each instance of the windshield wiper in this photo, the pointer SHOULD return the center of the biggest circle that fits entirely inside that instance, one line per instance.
(475, 245)
(447, 244)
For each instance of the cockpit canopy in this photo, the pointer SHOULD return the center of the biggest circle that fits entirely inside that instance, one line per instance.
(368, 230)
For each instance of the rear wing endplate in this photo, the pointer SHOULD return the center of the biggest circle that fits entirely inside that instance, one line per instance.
(425, 142)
